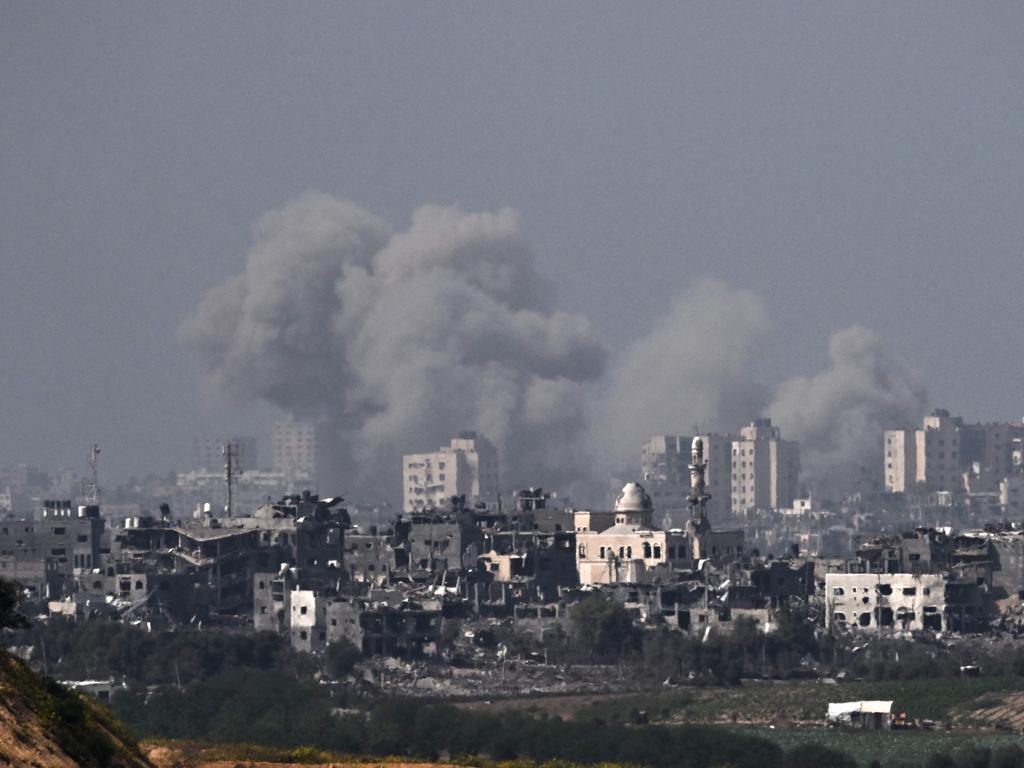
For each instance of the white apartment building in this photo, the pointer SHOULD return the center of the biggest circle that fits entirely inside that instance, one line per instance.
(467, 466)
(765, 468)
(294, 446)
(900, 460)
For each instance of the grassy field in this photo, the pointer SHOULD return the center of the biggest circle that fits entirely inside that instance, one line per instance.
(890, 748)
(939, 699)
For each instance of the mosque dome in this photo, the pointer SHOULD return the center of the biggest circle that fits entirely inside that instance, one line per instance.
(633, 499)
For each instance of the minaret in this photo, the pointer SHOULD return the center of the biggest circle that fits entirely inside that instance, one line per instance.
(697, 526)
(698, 493)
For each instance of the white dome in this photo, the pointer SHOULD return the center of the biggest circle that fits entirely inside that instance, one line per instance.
(632, 499)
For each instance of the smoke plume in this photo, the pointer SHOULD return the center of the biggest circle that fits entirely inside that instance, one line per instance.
(689, 370)
(839, 415)
(397, 340)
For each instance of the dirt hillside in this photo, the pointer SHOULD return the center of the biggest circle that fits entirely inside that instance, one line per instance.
(44, 724)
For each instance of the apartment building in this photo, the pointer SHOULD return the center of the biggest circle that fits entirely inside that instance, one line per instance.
(765, 468)
(467, 466)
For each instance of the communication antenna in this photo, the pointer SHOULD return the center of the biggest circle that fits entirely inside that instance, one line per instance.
(232, 468)
(91, 487)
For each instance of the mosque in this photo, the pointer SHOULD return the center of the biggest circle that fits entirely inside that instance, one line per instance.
(623, 547)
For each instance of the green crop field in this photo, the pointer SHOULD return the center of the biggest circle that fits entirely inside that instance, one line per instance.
(890, 748)
(937, 699)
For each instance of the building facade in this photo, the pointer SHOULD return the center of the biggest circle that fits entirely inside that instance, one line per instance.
(948, 455)
(468, 467)
(765, 468)
(295, 447)
(631, 549)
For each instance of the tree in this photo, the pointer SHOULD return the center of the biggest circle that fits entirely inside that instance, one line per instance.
(10, 604)
(341, 658)
(602, 626)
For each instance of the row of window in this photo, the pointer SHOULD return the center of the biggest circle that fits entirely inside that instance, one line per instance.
(626, 552)
(884, 589)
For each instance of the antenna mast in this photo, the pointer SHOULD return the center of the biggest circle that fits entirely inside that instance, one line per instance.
(91, 487)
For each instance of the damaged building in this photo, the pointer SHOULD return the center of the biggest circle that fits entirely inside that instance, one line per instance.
(901, 602)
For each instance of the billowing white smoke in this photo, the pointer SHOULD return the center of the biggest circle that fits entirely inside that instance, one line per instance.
(839, 415)
(690, 370)
(398, 340)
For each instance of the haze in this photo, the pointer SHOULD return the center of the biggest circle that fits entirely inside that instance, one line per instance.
(818, 168)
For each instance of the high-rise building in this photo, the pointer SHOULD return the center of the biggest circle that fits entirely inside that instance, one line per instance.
(900, 460)
(294, 444)
(765, 468)
(467, 466)
(208, 452)
(938, 456)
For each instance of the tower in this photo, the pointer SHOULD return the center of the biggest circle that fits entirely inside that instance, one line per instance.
(697, 527)
(91, 487)
(699, 496)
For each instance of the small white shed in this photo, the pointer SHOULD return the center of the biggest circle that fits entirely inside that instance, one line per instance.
(868, 715)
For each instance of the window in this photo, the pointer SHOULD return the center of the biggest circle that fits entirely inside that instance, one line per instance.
(302, 610)
(838, 591)
(657, 551)
(909, 591)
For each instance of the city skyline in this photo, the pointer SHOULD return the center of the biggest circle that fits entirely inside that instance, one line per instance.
(885, 199)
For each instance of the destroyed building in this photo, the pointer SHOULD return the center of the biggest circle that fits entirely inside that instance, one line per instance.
(895, 602)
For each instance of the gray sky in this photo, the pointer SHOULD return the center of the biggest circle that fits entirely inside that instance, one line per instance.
(850, 163)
